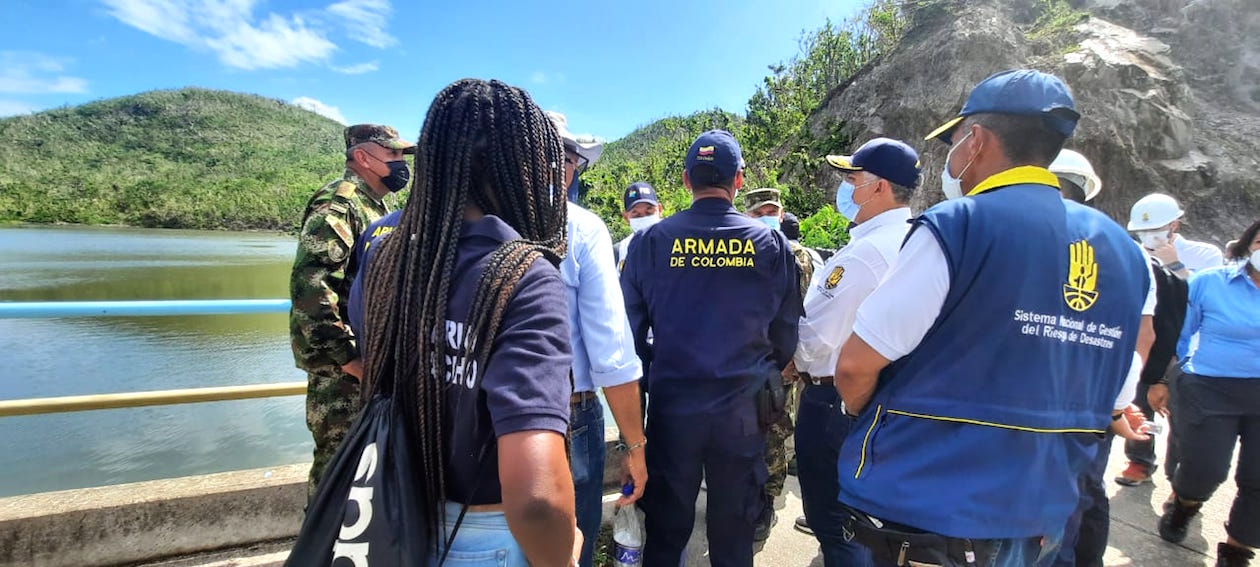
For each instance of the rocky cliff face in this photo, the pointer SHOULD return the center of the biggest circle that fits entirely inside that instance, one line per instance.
(1169, 91)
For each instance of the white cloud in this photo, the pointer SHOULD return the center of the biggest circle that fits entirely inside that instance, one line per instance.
(14, 107)
(320, 108)
(163, 18)
(277, 42)
(245, 40)
(358, 68)
(28, 72)
(538, 78)
(365, 20)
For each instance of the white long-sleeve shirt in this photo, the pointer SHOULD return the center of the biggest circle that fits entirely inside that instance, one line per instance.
(844, 281)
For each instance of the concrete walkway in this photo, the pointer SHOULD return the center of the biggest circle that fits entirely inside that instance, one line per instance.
(1134, 540)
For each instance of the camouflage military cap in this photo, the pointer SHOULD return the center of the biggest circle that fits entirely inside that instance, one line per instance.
(758, 198)
(381, 134)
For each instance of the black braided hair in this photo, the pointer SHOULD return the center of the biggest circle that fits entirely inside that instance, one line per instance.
(487, 144)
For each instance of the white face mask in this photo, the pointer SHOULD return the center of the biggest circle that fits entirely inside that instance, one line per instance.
(1152, 239)
(950, 185)
(639, 224)
(1255, 260)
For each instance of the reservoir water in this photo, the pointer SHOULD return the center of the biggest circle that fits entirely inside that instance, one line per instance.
(59, 357)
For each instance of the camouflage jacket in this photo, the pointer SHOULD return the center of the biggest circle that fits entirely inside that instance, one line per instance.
(804, 264)
(335, 216)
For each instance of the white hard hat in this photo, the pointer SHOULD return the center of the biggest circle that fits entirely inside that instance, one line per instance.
(1075, 167)
(1154, 211)
(589, 147)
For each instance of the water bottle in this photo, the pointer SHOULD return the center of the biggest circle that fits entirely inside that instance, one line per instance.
(628, 533)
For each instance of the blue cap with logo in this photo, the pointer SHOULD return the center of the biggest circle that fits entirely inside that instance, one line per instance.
(885, 158)
(639, 192)
(1022, 92)
(713, 158)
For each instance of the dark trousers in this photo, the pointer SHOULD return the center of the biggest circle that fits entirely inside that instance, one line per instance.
(586, 461)
(820, 429)
(1085, 537)
(1142, 452)
(1214, 414)
(727, 450)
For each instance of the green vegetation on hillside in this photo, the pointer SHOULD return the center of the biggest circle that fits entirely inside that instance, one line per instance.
(196, 158)
(189, 158)
(773, 133)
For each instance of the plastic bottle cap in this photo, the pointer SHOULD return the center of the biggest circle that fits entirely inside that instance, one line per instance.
(627, 489)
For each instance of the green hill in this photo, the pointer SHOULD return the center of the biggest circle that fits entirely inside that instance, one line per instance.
(773, 132)
(651, 153)
(188, 158)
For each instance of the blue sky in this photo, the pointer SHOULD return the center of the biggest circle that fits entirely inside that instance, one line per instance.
(610, 66)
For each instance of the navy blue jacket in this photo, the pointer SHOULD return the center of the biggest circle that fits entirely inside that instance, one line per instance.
(720, 293)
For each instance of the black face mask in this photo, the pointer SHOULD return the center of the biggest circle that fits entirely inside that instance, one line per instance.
(398, 176)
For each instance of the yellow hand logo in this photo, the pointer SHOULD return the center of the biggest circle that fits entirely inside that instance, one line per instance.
(1080, 291)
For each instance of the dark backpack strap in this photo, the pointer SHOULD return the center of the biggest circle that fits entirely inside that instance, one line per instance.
(459, 520)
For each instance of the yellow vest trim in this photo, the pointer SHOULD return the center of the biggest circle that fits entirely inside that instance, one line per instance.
(866, 440)
(1017, 176)
(992, 424)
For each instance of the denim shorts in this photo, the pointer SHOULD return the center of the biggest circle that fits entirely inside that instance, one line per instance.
(483, 540)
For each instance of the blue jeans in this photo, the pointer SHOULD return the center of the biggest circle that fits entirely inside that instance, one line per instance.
(586, 461)
(483, 540)
(820, 429)
(1085, 538)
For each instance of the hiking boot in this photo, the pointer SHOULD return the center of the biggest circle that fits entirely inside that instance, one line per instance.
(1231, 556)
(1174, 524)
(1135, 474)
(764, 523)
(802, 525)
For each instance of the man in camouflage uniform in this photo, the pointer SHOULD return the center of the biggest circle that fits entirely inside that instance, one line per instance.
(323, 344)
(766, 205)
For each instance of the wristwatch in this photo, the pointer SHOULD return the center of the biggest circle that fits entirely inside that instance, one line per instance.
(1175, 266)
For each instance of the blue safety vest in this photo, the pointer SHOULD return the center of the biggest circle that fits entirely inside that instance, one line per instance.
(980, 432)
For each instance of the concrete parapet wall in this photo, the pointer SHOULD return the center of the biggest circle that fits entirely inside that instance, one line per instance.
(126, 523)
(144, 521)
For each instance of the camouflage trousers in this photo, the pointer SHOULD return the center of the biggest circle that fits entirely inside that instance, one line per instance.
(332, 403)
(777, 454)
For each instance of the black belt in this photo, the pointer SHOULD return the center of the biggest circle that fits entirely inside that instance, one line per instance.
(895, 544)
(579, 397)
(818, 380)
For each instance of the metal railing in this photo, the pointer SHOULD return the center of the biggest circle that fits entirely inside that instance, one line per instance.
(58, 309)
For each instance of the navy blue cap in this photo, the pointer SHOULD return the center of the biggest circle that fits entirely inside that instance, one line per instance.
(1022, 92)
(639, 192)
(791, 226)
(718, 156)
(885, 158)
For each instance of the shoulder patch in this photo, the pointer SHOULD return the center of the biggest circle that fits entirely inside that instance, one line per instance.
(833, 279)
(345, 189)
(342, 229)
(338, 207)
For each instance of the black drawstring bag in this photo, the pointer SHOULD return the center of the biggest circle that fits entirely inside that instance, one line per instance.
(366, 510)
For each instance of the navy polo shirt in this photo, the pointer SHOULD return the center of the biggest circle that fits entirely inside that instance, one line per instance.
(525, 384)
(720, 293)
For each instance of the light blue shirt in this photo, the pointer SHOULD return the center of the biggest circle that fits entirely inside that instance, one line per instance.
(1224, 310)
(603, 348)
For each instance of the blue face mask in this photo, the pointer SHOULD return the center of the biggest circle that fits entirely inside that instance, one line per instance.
(772, 222)
(844, 200)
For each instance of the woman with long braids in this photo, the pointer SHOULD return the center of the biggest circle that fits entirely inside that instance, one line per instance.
(461, 313)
